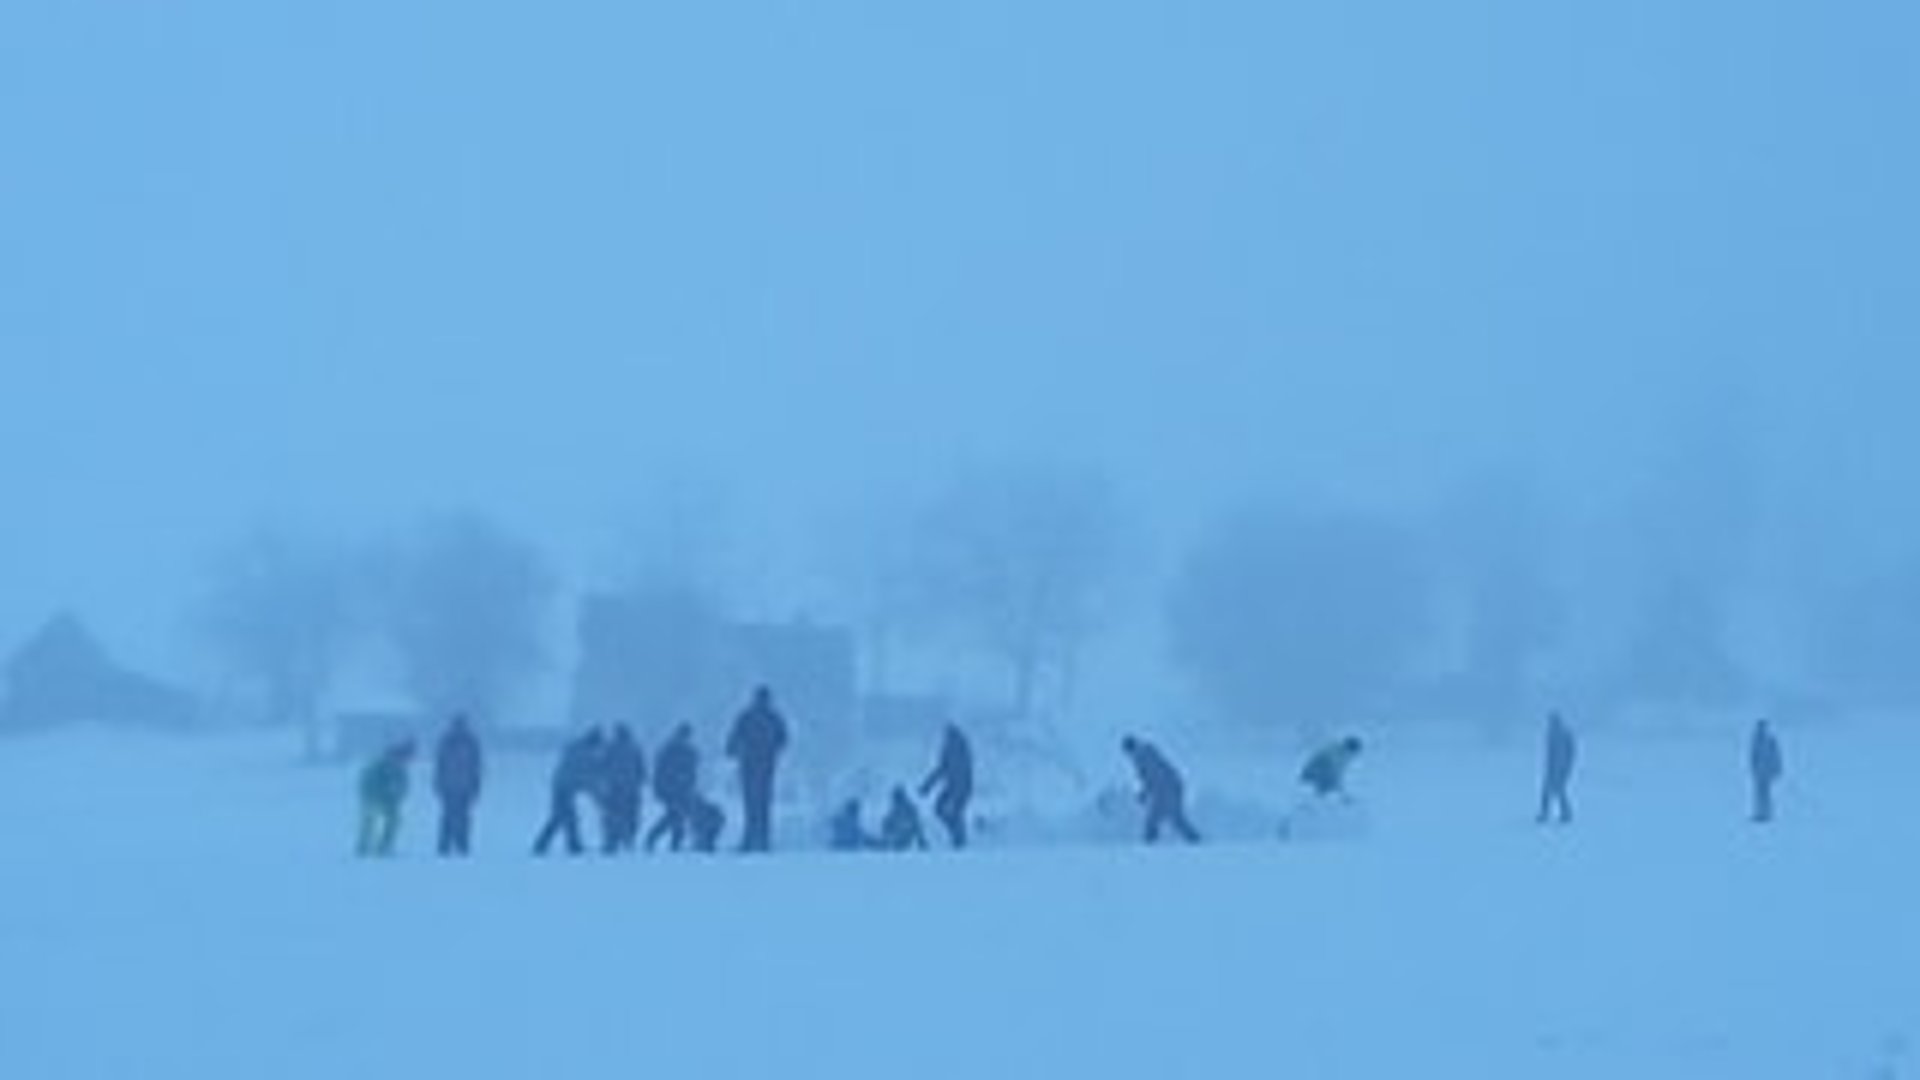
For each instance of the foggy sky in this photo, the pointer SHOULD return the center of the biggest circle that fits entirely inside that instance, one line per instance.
(340, 264)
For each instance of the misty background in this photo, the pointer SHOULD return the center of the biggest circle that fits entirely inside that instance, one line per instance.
(1323, 365)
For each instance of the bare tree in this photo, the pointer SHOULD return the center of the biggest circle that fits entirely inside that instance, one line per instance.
(464, 604)
(278, 613)
(1300, 619)
(1016, 565)
(1494, 549)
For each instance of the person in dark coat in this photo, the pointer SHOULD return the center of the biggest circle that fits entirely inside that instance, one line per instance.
(951, 784)
(1764, 765)
(1326, 771)
(901, 830)
(383, 791)
(1562, 749)
(758, 738)
(1162, 790)
(623, 774)
(576, 774)
(458, 768)
(676, 786)
(846, 831)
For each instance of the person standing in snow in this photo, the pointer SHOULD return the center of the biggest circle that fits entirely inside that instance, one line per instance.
(758, 738)
(623, 774)
(577, 773)
(458, 768)
(1326, 771)
(1764, 766)
(676, 786)
(1562, 749)
(1162, 791)
(951, 784)
(383, 791)
(901, 830)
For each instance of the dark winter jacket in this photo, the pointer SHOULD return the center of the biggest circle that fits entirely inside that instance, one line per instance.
(1562, 750)
(1763, 755)
(1160, 783)
(1326, 771)
(384, 782)
(952, 775)
(676, 771)
(759, 734)
(578, 771)
(457, 765)
(623, 768)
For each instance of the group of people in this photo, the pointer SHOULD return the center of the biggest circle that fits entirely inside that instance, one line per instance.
(950, 785)
(610, 772)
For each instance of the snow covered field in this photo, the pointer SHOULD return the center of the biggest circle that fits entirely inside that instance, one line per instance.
(186, 909)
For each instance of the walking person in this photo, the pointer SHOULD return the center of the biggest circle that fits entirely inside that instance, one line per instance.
(1765, 764)
(576, 774)
(1562, 750)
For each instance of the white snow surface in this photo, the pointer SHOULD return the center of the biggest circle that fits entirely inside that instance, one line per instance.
(187, 909)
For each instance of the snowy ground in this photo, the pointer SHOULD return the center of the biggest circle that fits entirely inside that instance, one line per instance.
(185, 909)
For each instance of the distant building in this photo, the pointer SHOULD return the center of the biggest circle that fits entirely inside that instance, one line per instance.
(362, 733)
(662, 658)
(63, 675)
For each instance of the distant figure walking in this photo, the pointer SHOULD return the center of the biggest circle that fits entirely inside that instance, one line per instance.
(1765, 765)
(676, 786)
(901, 830)
(577, 773)
(1326, 771)
(1562, 750)
(383, 791)
(458, 768)
(623, 775)
(758, 738)
(951, 785)
(1162, 791)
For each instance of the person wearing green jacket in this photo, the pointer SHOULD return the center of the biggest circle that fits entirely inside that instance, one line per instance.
(383, 790)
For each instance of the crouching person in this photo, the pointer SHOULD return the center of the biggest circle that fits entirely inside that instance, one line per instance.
(1162, 791)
